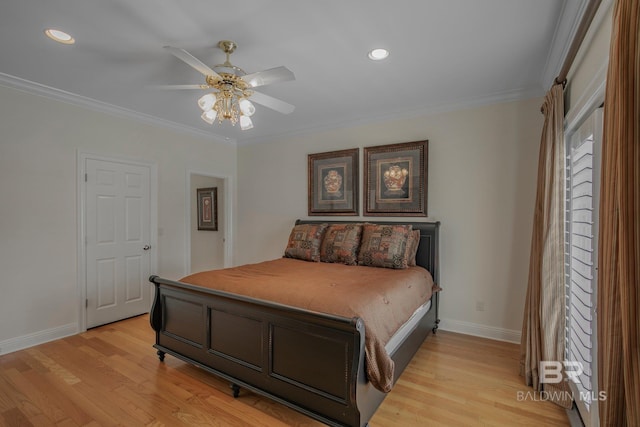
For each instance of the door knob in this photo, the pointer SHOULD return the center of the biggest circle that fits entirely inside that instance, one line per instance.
(146, 247)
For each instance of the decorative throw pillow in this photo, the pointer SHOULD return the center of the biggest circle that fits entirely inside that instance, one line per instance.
(340, 243)
(304, 242)
(412, 247)
(384, 245)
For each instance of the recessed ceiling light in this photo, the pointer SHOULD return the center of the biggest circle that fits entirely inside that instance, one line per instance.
(59, 36)
(378, 54)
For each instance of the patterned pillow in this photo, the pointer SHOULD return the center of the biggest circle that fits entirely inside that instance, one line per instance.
(412, 247)
(384, 245)
(341, 243)
(304, 242)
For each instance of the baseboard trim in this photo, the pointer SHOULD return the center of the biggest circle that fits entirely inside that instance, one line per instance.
(475, 329)
(41, 337)
(468, 328)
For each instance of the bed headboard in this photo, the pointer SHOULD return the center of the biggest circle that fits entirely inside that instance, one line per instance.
(428, 249)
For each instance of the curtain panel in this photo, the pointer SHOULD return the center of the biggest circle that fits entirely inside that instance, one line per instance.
(619, 233)
(544, 316)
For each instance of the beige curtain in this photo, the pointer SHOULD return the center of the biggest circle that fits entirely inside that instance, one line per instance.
(544, 317)
(619, 234)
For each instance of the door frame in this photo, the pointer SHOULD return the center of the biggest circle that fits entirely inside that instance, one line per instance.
(82, 157)
(228, 218)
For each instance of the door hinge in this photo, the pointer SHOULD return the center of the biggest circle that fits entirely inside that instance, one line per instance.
(86, 303)
(86, 178)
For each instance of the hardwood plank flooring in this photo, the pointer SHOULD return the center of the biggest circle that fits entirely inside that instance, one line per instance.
(111, 376)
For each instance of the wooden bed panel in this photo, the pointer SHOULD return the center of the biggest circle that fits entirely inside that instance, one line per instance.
(183, 319)
(241, 344)
(322, 360)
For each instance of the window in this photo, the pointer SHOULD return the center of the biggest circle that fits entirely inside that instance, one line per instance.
(581, 243)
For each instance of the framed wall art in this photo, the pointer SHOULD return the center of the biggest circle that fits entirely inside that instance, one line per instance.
(207, 208)
(333, 183)
(395, 179)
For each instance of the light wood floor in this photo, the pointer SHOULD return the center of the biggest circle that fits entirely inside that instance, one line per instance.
(111, 376)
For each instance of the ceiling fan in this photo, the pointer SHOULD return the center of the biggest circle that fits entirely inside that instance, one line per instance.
(232, 88)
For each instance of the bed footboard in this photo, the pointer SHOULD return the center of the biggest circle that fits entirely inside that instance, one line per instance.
(309, 361)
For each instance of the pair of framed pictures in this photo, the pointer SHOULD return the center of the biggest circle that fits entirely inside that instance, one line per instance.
(395, 181)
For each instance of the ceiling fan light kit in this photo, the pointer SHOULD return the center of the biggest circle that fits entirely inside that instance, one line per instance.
(232, 88)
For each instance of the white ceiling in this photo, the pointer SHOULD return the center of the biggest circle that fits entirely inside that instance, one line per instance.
(445, 54)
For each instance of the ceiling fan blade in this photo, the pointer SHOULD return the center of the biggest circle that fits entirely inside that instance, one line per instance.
(273, 103)
(266, 77)
(171, 87)
(192, 61)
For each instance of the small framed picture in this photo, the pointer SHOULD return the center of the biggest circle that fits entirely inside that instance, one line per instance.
(333, 183)
(207, 208)
(395, 179)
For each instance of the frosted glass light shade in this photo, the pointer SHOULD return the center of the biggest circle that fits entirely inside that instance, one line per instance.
(245, 123)
(206, 102)
(247, 107)
(209, 116)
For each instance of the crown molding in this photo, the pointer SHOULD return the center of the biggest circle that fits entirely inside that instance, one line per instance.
(103, 107)
(492, 98)
(565, 31)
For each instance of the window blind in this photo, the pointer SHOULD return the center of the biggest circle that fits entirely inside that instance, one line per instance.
(580, 262)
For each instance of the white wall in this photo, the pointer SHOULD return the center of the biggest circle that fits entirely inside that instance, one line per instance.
(39, 140)
(207, 247)
(482, 174)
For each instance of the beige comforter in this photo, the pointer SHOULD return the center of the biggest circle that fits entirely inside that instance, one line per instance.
(383, 298)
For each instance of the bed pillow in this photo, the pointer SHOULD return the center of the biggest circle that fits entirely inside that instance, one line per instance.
(412, 247)
(304, 242)
(384, 245)
(341, 243)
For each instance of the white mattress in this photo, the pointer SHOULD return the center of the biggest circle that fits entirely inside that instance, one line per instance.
(406, 329)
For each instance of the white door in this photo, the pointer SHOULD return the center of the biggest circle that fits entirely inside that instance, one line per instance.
(117, 209)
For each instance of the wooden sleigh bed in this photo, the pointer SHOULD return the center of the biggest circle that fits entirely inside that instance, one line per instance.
(310, 361)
